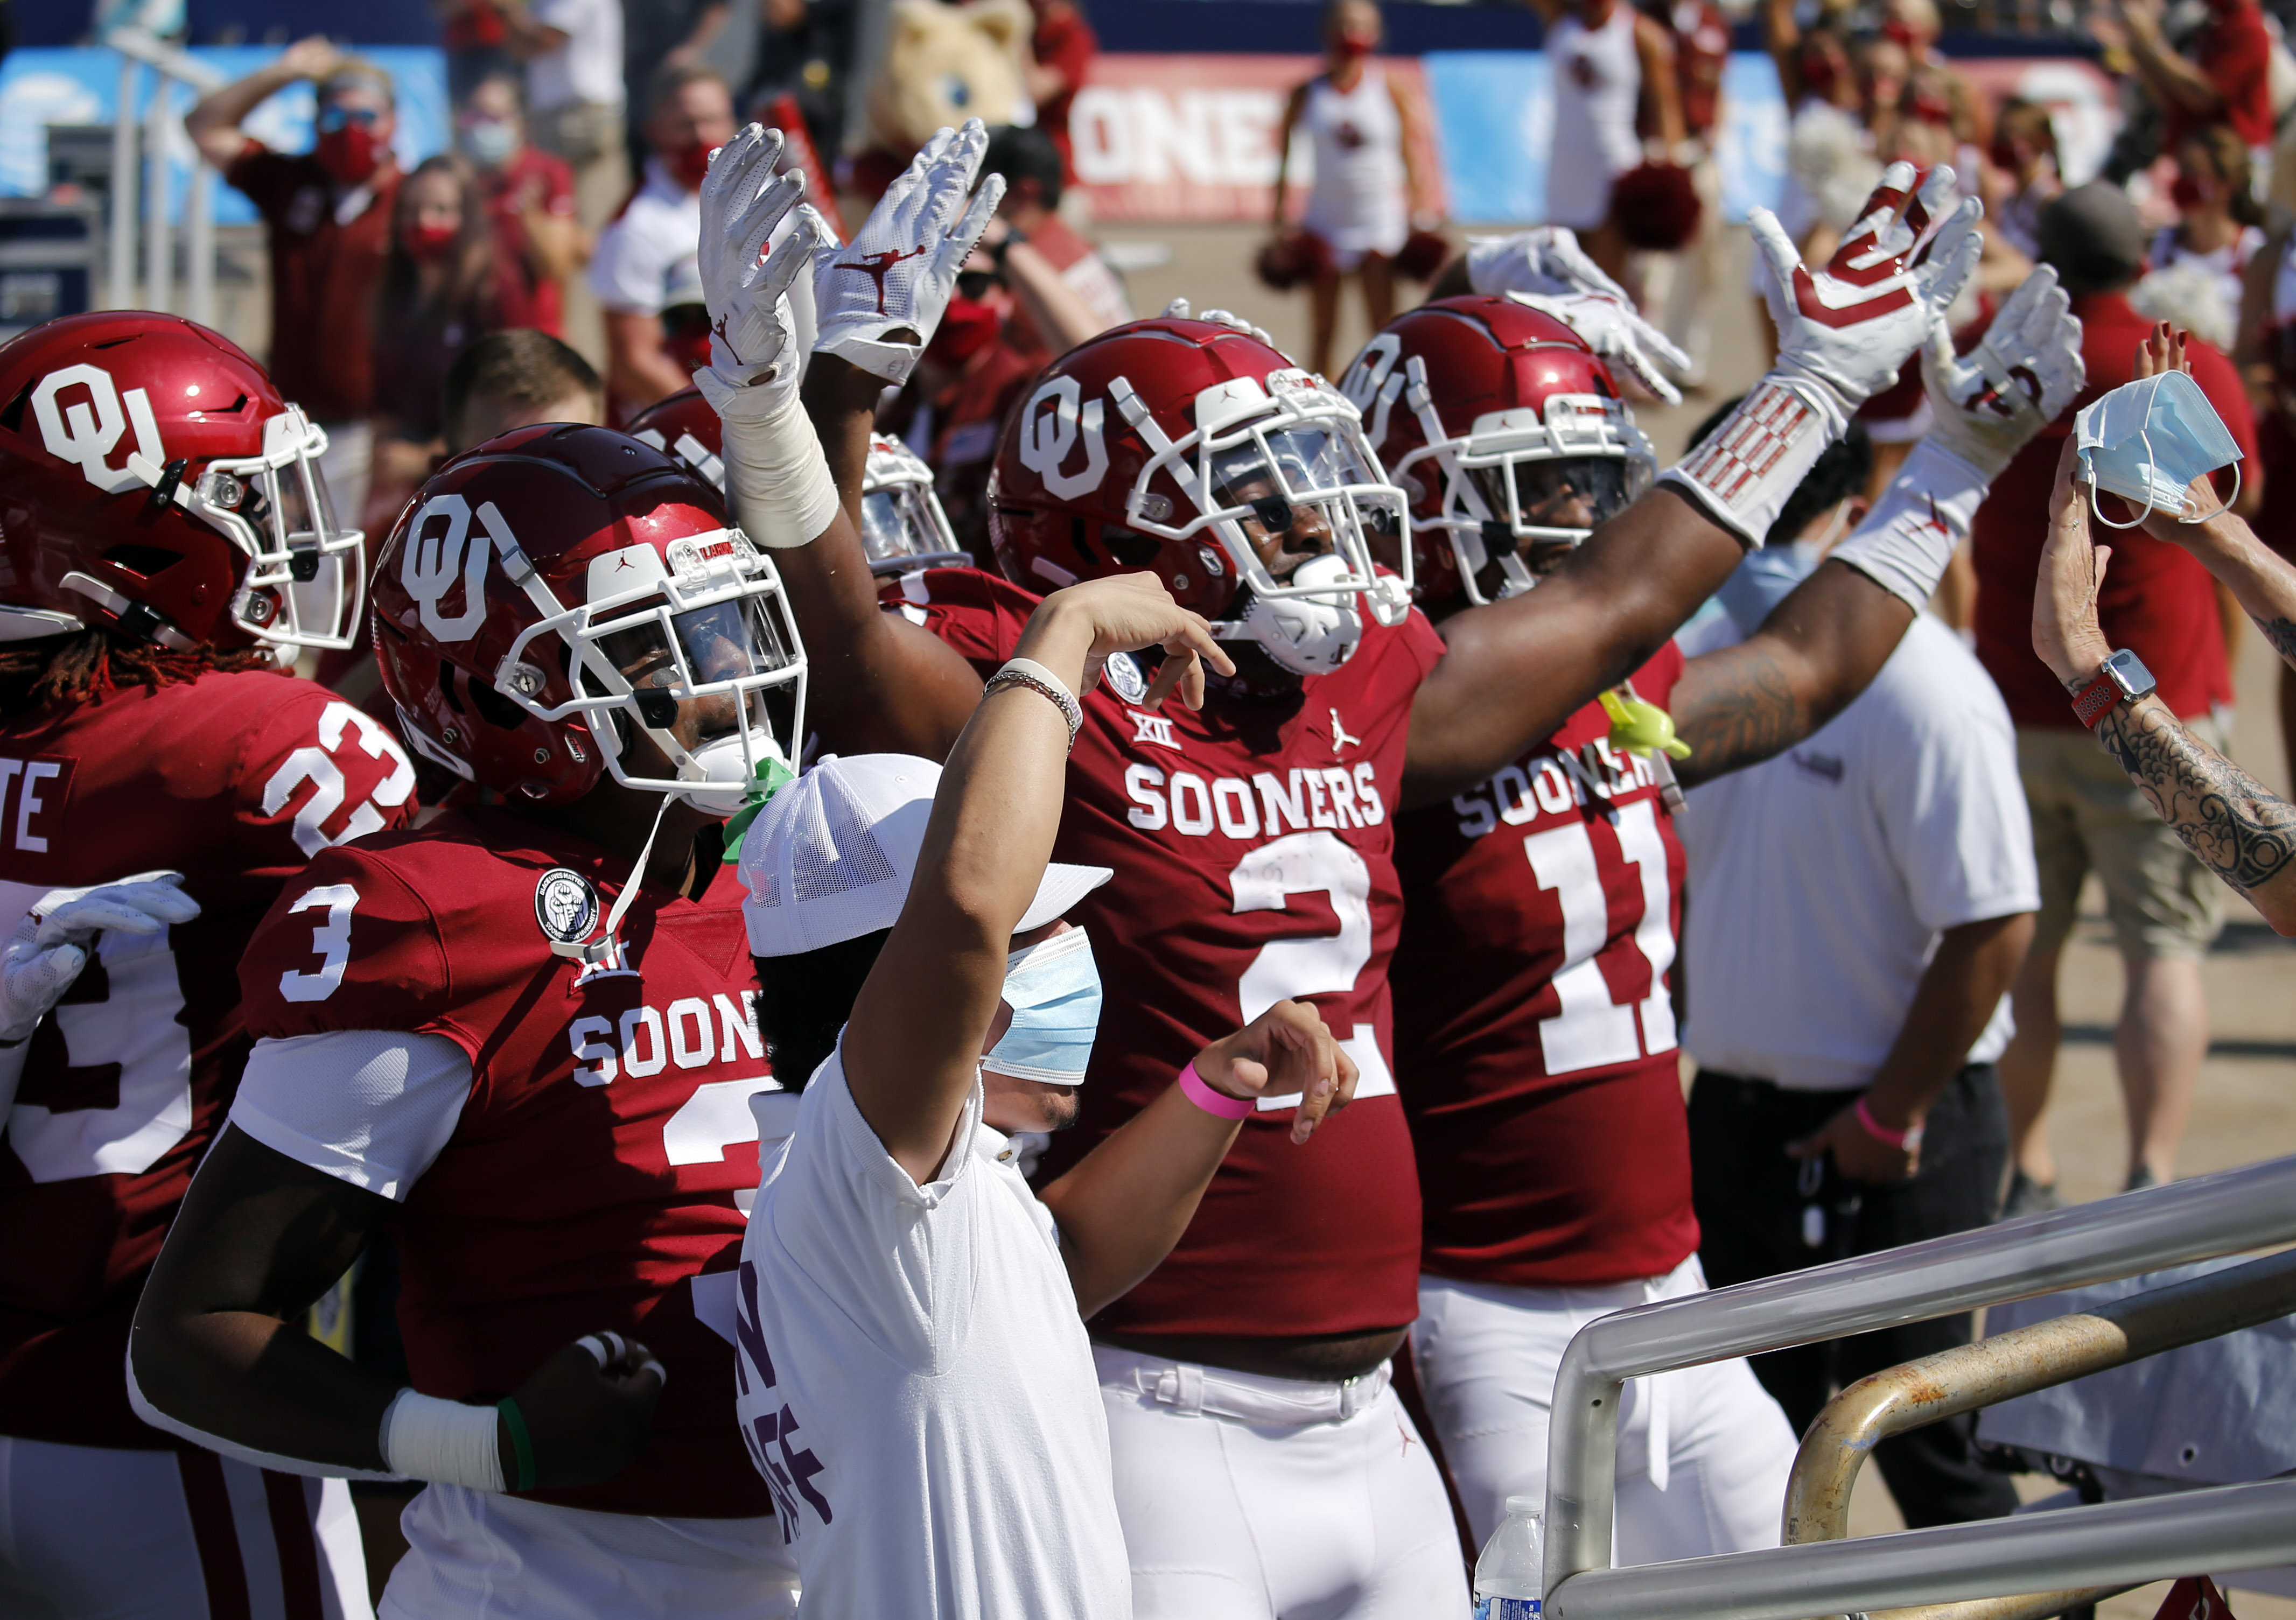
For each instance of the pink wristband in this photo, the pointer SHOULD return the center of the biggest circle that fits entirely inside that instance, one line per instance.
(1192, 1086)
(1911, 1136)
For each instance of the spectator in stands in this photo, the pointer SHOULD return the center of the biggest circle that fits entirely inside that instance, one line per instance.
(573, 55)
(1364, 132)
(2164, 909)
(515, 379)
(440, 288)
(651, 244)
(1861, 905)
(1061, 48)
(471, 33)
(805, 51)
(2022, 174)
(1031, 241)
(659, 34)
(328, 217)
(528, 196)
(2220, 227)
(2221, 74)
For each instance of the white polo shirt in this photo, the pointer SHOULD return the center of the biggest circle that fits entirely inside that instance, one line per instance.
(588, 66)
(914, 1381)
(1820, 881)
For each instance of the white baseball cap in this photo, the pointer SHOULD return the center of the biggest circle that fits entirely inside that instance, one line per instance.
(831, 855)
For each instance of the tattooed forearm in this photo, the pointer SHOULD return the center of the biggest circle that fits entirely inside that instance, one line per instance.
(2281, 633)
(1738, 708)
(2236, 828)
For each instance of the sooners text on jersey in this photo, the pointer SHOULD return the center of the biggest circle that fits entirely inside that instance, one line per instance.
(1254, 852)
(1537, 1039)
(607, 1153)
(236, 781)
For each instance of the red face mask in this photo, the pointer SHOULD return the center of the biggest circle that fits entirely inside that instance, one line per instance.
(965, 330)
(428, 241)
(350, 155)
(2188, 192)
(691, 164)
(1357, 45)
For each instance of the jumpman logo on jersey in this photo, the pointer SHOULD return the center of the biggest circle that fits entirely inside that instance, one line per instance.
(1340, 737)
(875, 266)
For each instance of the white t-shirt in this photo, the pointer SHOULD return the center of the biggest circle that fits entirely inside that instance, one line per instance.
(1820, 881)
(649, 250)
(389, 1108)
(588, 66)
(914, 1380)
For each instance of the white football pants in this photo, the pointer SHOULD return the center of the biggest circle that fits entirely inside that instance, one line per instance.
(1703, 1453)
(472, 1555)
(1250, 1497)
(87, 1532)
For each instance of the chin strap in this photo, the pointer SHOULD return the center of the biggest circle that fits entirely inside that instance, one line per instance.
(591, 952)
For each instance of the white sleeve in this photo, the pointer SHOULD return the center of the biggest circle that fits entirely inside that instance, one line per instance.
(370, 1106)
(630, 273)
(1955, 815)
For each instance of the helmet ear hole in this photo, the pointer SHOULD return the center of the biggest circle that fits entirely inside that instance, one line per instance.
(1133, 551)
(495, 709)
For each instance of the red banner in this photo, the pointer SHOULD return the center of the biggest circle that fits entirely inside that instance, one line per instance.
(1193, 138)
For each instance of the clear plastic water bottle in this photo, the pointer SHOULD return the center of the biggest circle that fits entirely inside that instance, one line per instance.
(1510, 1575)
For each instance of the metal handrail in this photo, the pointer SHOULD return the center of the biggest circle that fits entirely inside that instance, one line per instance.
(170, 63)
(2223, 1214)
(2231, 1527)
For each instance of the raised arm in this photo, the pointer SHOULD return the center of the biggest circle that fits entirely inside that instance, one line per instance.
(1656, 47)
(914, 1043)
(214, 123)
(1826, 641)
(2235, 826)
(1515, 670)
(880, 683)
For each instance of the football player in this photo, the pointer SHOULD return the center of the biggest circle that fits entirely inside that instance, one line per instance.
(1263, 1465)
(167, 536)
(1535, 1038)
(525, 1038)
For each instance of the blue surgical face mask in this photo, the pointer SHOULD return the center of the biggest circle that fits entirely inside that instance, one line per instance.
(2148, 440)
(489, 143)
(1053, 989)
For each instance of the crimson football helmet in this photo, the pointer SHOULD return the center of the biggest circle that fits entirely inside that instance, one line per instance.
(1507, 431)
(153, 481)
(903, 527)
(1171, 445)
(554, 585)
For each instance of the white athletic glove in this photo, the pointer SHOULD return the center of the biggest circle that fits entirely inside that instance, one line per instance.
(897, 272)
(1177, 310)
(1986, 406)
(777, 480)
(50, 946)
(1989, 403)
(1548, 269)
(1844, 334)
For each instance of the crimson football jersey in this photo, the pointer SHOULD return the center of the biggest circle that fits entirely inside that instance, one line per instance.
(236, 781)
(606, 1155)
(1536, 1037)
(1254, 855)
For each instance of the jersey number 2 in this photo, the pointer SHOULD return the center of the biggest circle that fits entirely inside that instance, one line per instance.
(1318, 964)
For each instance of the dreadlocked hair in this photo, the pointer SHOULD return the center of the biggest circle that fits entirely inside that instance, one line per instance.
(93, 665)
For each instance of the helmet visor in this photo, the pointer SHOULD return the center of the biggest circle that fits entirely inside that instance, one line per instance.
(902, 527)
(1559, 497)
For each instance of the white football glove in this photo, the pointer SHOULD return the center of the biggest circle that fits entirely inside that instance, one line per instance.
(1548, 269)
(1989, 404)
(899, 271)
(1177, 310)
(1615, 331)
(1844, 334)
(50, 947)
(1852, 326)
(752, 349)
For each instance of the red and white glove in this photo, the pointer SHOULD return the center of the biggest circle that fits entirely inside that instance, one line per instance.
(1986, 406)
(1843, 333)
(50, 947)
(897, 272)
(1548, 270)
(778, 479)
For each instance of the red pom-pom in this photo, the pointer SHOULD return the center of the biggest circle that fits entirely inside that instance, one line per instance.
(1657, 207)
(1423, 253)
(1291, 259)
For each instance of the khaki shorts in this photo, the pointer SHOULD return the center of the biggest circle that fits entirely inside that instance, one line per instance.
(2088, 816)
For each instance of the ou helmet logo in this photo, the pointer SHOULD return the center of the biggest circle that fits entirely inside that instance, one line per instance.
(1047, 435)
(433, 562)
(86, 434)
